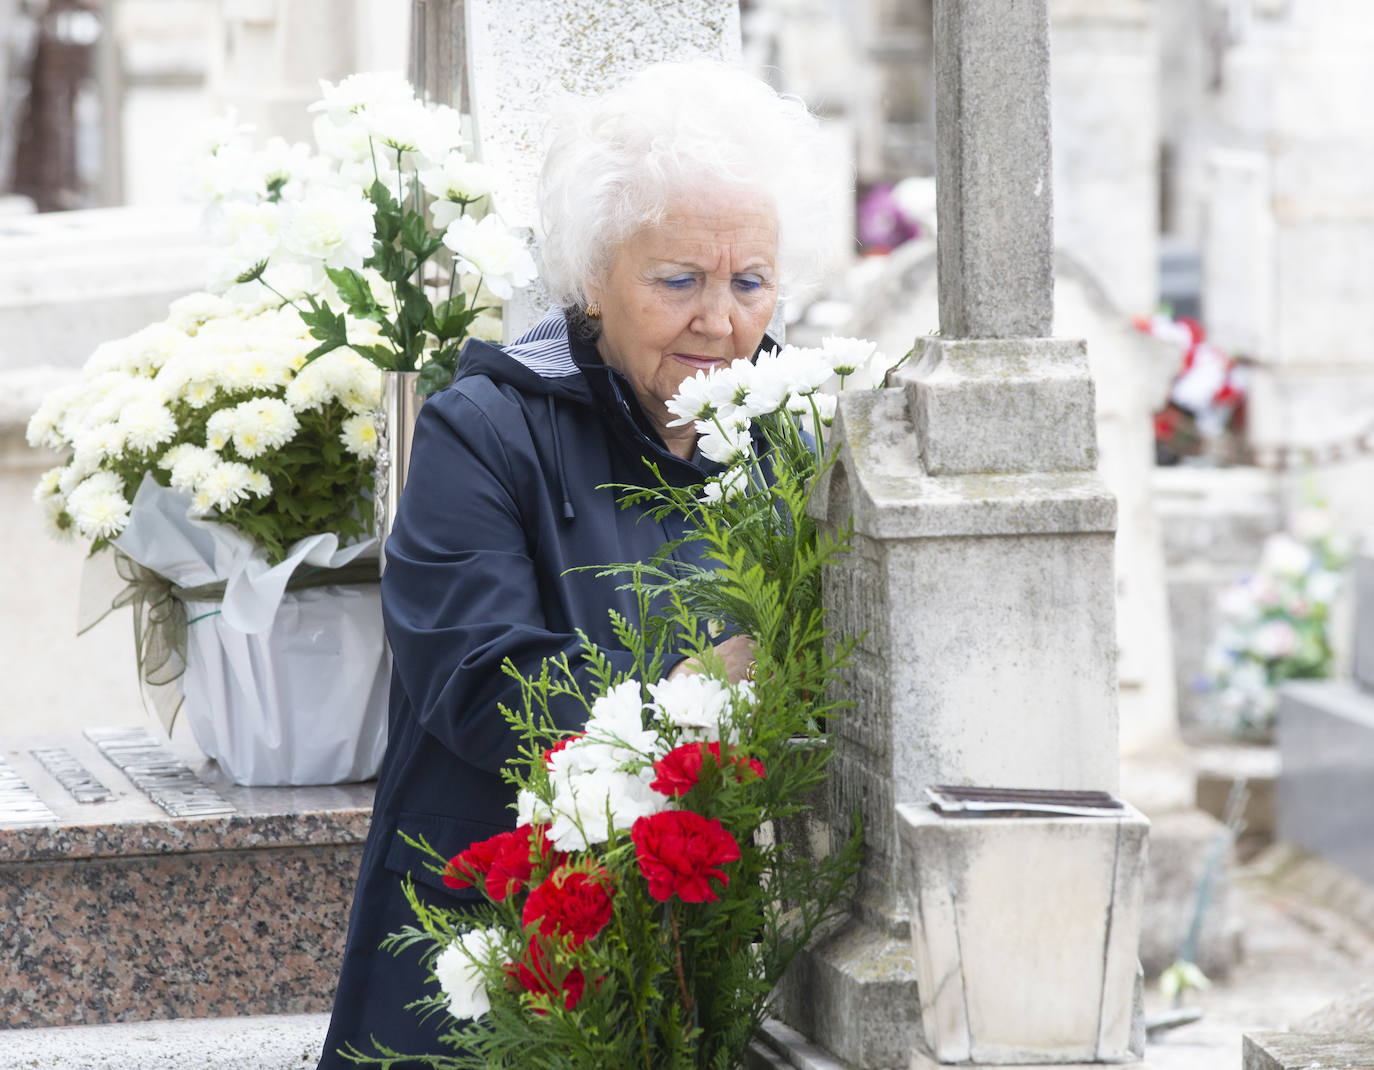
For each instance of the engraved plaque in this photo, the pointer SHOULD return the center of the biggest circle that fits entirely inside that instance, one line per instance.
(157, 772)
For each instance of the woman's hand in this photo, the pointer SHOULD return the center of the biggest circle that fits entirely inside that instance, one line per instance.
(737, 652)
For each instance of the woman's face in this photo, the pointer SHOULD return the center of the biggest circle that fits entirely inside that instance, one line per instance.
(690, 293)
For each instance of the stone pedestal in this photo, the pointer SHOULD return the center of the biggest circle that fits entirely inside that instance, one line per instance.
(115, 911)
(1304, 1051)
(1024, 934)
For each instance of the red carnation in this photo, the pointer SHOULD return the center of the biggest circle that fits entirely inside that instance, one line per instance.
(680, 769)
(680, 852)
(539, 974)
(571, 904)
(507, 861)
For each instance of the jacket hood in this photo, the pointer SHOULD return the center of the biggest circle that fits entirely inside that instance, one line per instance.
(539, 362)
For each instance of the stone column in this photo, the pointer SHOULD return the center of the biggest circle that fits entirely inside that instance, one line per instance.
(981, 577)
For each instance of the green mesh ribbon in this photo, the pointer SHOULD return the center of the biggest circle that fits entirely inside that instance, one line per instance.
(160, 621)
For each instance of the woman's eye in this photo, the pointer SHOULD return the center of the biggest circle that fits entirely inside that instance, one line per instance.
(679, 282)
(747, 283)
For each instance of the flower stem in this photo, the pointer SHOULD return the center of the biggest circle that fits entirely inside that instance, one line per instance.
(677, 963)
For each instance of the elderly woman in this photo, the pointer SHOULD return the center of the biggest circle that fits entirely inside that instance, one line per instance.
(673, 208)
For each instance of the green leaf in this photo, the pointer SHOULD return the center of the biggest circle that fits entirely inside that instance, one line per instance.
(356, 292)
(326, 325)
(388, 217)
(450, 319)
(433, 376)
(416, 237)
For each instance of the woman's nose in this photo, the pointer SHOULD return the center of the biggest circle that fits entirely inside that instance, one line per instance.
(713, 317)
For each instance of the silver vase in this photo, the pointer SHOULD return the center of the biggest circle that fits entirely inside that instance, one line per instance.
(395, 430)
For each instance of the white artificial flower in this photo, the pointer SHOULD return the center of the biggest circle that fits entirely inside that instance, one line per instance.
(245, 234)
(98, 507)
(458, 969)
(146, 424)
(1285, 556)
(401, 125)
(346, 142)
(456, 181)
(728, 486)
(491, 250)
(442, 133)
(727, 446)
(360, 92)
(359, 435)
(227, 484)
(286, 170)
(847, 355)
(261, 424)
(1274, 639)
(335, 226)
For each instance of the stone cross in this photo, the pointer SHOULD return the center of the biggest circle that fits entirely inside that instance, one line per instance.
(981, 580)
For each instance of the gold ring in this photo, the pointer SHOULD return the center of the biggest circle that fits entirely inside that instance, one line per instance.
(749, 672)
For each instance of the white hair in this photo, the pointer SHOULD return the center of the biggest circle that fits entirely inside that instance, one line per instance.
(616, 161)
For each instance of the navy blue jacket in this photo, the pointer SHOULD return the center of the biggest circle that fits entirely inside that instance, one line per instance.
(502, 500)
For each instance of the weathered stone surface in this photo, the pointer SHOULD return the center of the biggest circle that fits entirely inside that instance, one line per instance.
(1352, 1014)
(1183, 846)
(1220, 766)
(1326, 781)
(1362, 654)
(1308, 1051)
(584, 45)
(1024, 405)
(1006, 912)
(993, 167)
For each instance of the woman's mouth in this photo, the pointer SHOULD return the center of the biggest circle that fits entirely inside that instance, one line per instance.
(698, 363)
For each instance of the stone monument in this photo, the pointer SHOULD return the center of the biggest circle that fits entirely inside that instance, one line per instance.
(981, 580)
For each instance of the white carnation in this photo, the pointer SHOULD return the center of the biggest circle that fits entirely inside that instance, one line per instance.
(491, 250)
(458, 969)
(695, 702)
(588, 804)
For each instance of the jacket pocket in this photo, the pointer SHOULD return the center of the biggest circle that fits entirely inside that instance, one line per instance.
(448, 836)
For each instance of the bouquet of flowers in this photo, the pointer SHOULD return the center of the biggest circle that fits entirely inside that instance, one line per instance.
(217, 402)
(389, 191)
(646, 906)
(1207, 397)
(1274, 625)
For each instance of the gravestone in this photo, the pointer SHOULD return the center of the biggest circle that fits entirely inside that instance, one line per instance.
(585, 46)
(981, 580)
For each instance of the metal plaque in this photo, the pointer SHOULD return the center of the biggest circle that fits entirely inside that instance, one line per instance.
(72, 775)
(151, 767)
(19, 803)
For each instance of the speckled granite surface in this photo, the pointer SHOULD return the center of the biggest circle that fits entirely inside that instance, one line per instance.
(120, 913)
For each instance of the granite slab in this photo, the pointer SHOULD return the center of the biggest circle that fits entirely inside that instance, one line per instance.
(116, 911)
(1308, 1051)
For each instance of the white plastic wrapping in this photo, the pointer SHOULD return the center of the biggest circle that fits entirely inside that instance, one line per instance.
(280, 687)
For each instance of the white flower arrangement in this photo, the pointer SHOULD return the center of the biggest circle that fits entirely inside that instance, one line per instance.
(217, 402)
(1274, 625)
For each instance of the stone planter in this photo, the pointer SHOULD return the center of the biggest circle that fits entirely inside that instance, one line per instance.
(1024, 931)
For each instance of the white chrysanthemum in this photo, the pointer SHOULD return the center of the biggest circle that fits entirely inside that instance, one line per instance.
(261, 424)
(148, 349)
(98, 507)
(359, 436)
(847, 355)
(724, 446)
(98, 444)
(259, 486)
(219, 429)
(228, 483)
(458, 969)
(193, 311)
(42, 426)
(58, 522)
(492, 251)
(333, 225)
(146, 425)
(47, 486)
(189, 465)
